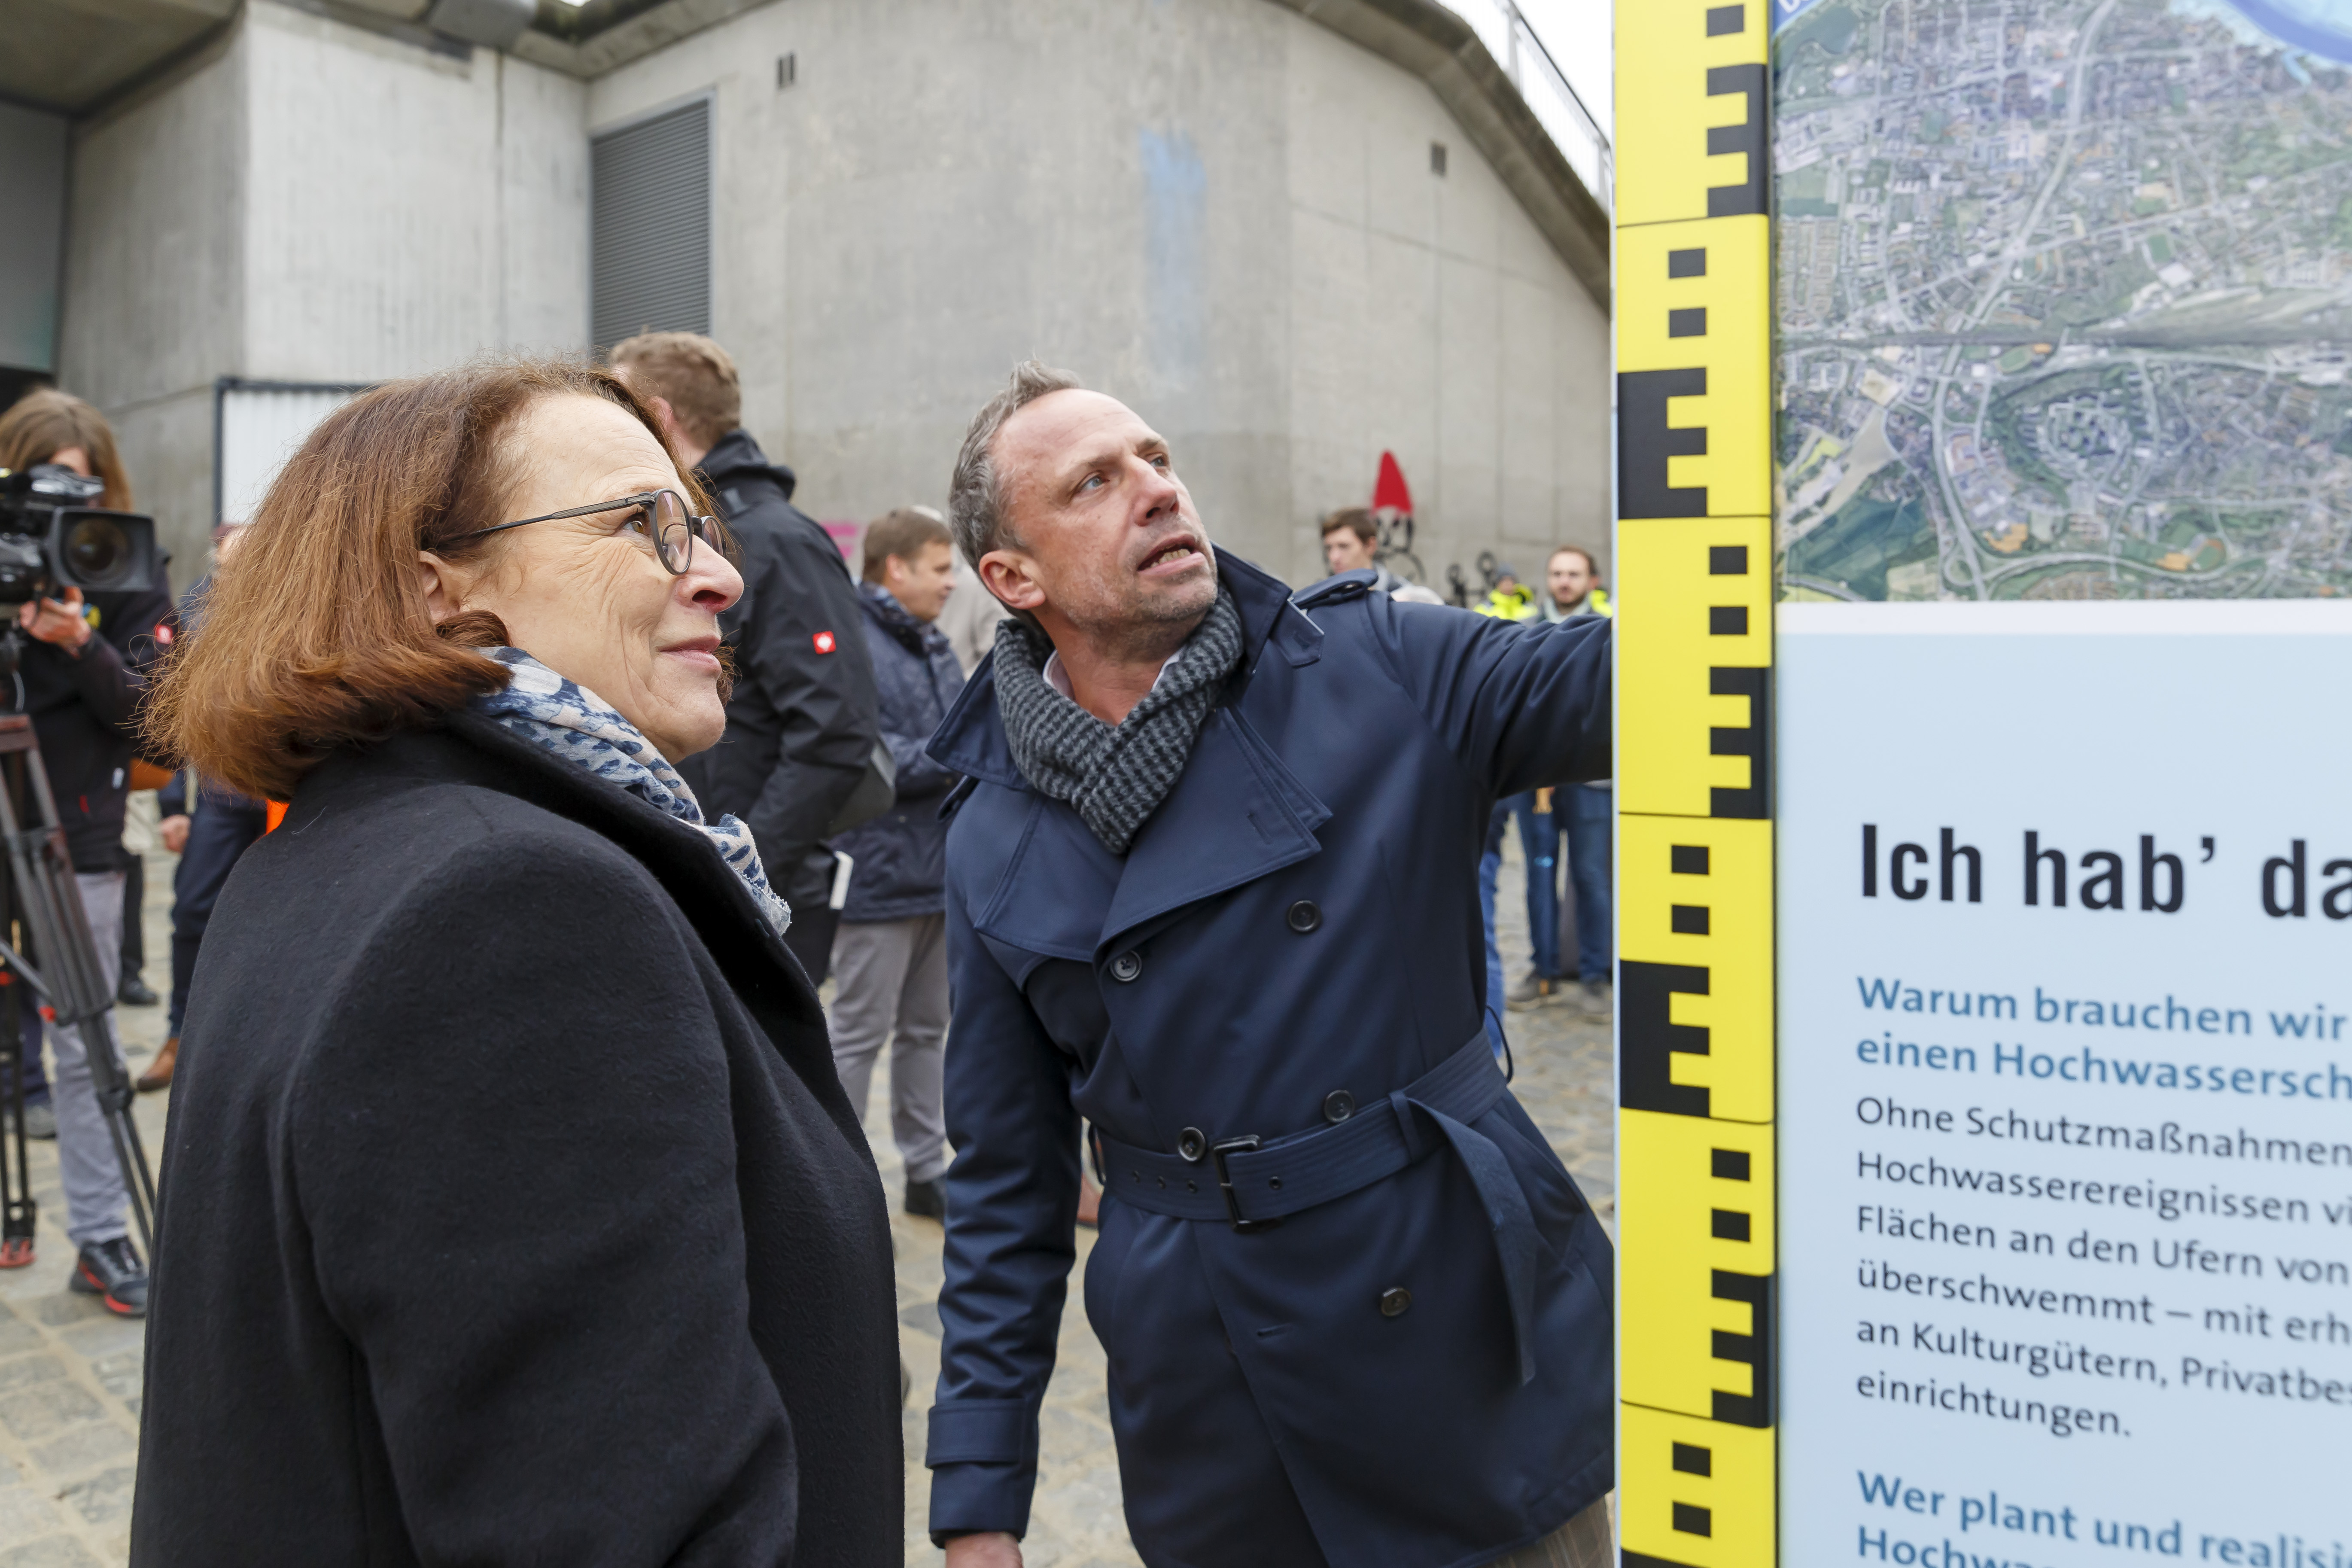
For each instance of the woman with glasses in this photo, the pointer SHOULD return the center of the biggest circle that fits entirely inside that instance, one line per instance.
(512, 1210)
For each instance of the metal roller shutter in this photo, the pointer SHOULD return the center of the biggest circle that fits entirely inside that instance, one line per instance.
(649, 226)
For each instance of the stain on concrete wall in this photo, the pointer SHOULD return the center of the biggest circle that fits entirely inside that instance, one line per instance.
(1175, 213)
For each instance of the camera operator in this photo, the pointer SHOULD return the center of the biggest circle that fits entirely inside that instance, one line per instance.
(80, 677)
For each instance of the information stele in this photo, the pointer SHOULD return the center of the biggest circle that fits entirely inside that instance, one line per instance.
(1991, 1206)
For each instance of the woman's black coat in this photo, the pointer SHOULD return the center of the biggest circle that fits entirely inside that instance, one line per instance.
(511, 1210)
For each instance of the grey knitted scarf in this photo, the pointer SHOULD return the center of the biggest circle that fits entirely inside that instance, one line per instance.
(1113, 775)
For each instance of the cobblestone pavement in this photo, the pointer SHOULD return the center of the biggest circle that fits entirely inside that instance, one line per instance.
(69, 1374)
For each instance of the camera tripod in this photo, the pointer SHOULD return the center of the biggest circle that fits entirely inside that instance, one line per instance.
(41, 912)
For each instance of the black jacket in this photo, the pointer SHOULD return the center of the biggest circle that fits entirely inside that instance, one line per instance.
(900, 857)
(85, 711)
(801, 727)
(512, 1210)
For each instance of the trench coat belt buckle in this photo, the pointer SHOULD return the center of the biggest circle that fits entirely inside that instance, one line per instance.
(1253, 1183)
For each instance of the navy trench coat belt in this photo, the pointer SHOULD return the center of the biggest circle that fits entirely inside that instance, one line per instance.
(1255, 1184)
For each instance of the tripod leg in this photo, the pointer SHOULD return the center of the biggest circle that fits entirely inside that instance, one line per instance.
(18, 1215)
(118, 1099)
(142, 1184)
(17, 1209)
(133, 1156)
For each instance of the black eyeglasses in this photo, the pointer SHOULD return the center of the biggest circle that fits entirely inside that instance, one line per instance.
(673, 528)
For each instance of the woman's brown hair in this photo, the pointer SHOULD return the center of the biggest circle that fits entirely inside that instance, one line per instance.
(46, 422)
(316, 635)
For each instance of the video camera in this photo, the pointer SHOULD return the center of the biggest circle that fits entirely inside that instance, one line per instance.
(52, 539)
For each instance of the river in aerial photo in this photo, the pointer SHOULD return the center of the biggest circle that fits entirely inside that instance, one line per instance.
(2323, 28)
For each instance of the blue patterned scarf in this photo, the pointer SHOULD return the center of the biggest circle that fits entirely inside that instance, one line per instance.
(585, 730)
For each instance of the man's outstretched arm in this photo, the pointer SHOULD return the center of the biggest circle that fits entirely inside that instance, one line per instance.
(1012, 1198)
(1523, 705)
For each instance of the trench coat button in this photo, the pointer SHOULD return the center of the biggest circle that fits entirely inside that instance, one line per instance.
(1304, 916)
(1190, 1144)
(1337, 1106)
(1395, 1301)
(1126, 966)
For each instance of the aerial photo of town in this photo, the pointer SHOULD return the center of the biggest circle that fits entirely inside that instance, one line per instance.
(2065, 298)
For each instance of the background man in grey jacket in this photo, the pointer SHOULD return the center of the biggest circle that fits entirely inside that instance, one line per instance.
(800, 725)
(891, 954)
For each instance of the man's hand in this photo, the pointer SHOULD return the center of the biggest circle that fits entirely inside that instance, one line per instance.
(174, 831)
(993, 1549)
(56, 621)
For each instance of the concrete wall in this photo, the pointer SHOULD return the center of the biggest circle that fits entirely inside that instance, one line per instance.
(406, 210)
(1430, 318)
(1220, 212)
(154, 282)
(313, 202)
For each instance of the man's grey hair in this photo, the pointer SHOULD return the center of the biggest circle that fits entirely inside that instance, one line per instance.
(976, 494)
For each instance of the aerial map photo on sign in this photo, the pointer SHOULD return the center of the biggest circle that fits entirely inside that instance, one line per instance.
(2064, 298)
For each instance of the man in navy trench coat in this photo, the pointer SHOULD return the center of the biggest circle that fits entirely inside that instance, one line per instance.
(1356, 1311)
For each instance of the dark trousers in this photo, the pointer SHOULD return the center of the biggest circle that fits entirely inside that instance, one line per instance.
(220, 831)
(1591, 857)
(134, 928)
(1574, 831)
(1540, 833)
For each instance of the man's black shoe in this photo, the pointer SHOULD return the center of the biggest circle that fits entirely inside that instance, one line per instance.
(111, 1271)
(927, 1200)
(136, 993)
